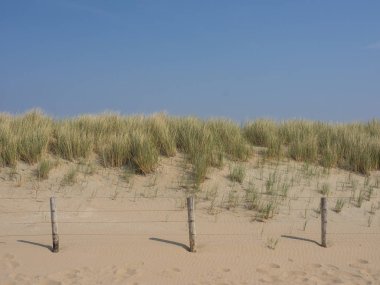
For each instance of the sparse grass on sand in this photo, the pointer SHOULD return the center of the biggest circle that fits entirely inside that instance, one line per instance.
(237, 173)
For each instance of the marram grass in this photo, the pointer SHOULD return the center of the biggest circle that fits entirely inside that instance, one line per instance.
(354, 147)
(138, 141)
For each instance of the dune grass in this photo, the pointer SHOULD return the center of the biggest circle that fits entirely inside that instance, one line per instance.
(138, 141)
(354, 146)
(43, 169)
(24, 138)
(70, 178)
(115, 152)
(237, 173)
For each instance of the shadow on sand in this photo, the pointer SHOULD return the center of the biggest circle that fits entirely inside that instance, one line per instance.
(171, 242)
(302, 239)
(36, 244)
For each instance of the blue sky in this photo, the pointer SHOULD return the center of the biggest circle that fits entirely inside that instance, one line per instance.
(278, 59)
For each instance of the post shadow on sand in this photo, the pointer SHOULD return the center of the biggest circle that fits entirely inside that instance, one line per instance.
(302, 239)
(171, 242)
(36, 244)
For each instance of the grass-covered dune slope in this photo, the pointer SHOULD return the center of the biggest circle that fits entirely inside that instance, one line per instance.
(138, 141)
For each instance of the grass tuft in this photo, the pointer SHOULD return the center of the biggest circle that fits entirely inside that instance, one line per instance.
(339, 205)
(237, 173)
(144, 154)
(43, 169)
(70, 178)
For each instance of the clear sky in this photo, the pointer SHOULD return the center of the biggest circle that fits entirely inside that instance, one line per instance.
(281, 59)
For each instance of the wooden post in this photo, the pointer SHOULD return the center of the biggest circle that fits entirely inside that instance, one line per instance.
(191, 220)
(323, 221)
(54, 225)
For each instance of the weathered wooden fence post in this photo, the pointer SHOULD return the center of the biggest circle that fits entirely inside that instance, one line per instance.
(54, 225)
(191, 220)
(323, 221)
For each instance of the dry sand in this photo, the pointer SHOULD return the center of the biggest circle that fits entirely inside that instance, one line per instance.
(135, 232)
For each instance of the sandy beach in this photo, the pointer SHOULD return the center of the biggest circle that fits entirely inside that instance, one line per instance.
(115, 230)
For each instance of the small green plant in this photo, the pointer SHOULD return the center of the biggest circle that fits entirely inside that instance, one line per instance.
(368, 193)
(360, 198)
(369, 221)
(325, 189)
(367, 181)
(89, 169)
(339, 205)
(284, 189)
(305, 225)
(233, 200)
(211, 195)
(377, 182)
(373, 209)
(272, 243)
(252, 199)
(306, 212)
(267, 210)
(43, 169)
(13, 173)
(237, 173)
(115, 194)
(270, 183)
(70, 178)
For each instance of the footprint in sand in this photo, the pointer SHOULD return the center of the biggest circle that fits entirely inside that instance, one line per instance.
(297, 273)
(72, 274)
(131, 271)
(359, 264)
(9, 262)
(274, 266)
(316, 265)
(50, 282)
(354, 275)
(337, 281)
(166, 273)
(363, 261)
(364, 272)
(268, 279)
(263, 271)
(226, 269)
(120, 272)
(175, 269)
